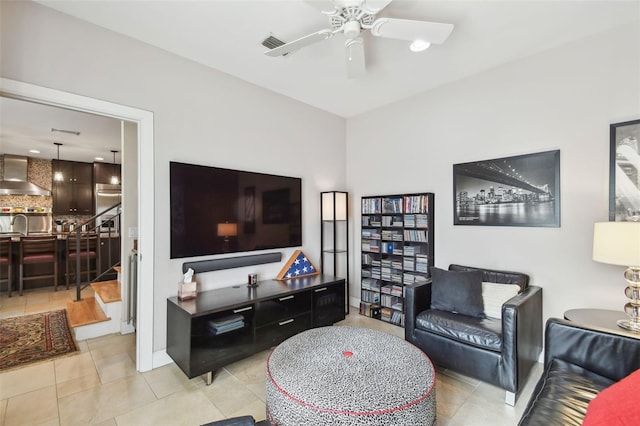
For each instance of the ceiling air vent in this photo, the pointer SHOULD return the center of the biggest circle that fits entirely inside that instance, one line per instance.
(272, 42)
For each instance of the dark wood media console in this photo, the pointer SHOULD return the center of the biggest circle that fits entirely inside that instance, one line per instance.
(228, 324)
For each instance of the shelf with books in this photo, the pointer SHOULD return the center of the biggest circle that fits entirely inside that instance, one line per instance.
(397, 250)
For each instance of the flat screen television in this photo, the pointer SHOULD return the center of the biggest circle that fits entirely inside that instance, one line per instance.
(216, 210)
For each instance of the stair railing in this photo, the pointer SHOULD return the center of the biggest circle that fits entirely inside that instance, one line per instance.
(93, 229)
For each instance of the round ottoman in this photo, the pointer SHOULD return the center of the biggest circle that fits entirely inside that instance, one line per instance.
(342, 375)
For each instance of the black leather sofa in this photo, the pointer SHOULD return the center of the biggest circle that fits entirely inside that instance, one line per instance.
(579, 362)
(499, 352)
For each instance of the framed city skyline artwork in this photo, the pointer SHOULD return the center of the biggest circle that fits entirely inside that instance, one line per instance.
(522, 190)
(624, 171)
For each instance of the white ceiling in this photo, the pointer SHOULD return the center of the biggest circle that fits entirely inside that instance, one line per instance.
(226, 35)
(26, 125)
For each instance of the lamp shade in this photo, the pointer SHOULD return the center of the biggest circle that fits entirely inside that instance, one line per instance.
(227, 229)
(334, 202)
(617, 243)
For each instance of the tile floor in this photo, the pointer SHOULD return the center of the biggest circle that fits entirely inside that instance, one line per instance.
(99, 386)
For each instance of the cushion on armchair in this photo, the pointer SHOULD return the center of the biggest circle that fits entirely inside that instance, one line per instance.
(494, 295)
(459, 292)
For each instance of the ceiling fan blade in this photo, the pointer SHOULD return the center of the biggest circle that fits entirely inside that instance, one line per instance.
(374, 6)
(354, 55)
(406, 29)
(325, 6)
(300, 43)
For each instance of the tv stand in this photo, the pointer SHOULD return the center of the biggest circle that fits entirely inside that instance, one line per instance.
(225, 325)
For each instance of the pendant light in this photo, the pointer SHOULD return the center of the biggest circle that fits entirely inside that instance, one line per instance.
(114, 178)
(57, 175)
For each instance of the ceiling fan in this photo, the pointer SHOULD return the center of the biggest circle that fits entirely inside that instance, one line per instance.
(351, 17)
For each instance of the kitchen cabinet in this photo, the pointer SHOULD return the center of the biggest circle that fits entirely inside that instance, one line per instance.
(73, 195)
(102, 172)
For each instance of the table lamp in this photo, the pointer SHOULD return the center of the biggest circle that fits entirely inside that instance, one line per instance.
(618, 243)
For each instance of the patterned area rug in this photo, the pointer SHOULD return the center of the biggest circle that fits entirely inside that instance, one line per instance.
(35, 337)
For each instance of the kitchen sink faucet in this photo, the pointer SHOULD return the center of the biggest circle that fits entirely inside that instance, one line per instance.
(26, 223)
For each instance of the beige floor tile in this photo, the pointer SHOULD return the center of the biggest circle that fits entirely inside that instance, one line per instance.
(37, 298)
(73, 367)
(32, 408)
(182, 408)
(250, 370)
(26, 379)
(110, 422)
(110, 345)
(451, 394)
(229, 396)
(255, 408)
(3, 410)
(167, 380)
(10, 313)
(79, 384)
(42, 307)
(82, 346)
(14, 302)
(115, 367)
(104, 402)
(259, 390)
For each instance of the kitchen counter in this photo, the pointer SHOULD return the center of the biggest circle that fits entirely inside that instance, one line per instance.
(109, 253)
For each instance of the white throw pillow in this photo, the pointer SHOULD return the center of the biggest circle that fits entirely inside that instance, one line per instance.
(494, 295)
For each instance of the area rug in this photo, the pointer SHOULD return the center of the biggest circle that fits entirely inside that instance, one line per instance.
(36, 337)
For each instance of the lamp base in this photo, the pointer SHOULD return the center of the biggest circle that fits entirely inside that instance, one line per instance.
(629, 325)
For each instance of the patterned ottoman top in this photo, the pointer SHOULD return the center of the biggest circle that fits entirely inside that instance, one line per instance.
(350, 370)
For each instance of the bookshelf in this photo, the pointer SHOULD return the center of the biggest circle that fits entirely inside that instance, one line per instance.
(334, 236)
(396, 250)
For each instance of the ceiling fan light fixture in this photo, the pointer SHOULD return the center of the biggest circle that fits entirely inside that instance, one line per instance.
(352, 29)
(419, 45)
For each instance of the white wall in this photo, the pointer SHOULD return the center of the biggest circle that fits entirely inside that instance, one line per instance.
(562, 99)
(201, 116)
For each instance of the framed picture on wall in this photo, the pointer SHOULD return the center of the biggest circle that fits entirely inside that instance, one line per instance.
(523, 190)
(624, 171)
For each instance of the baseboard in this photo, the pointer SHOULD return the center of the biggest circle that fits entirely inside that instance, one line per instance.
(161, 358)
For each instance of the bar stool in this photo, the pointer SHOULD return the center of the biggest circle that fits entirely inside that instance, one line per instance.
(38, 250)
(5, 260)
(88, 256)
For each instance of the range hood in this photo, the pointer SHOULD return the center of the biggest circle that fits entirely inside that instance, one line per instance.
(14, 180)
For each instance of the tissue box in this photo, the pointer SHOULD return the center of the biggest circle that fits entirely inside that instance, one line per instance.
(187, 290)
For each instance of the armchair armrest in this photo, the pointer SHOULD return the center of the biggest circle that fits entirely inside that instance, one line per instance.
(417, 298)
(522, 335)
(604, 352)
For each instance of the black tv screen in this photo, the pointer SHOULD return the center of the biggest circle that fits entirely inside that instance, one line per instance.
(216, 210)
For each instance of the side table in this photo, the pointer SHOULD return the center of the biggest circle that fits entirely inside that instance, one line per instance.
(602, 318)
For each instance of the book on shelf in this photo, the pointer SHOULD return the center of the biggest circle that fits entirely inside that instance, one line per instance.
(371, 205)
(416, 203)
(392, 205)
(370, 296)
(415, 235)
(370, 309)
(422, 221)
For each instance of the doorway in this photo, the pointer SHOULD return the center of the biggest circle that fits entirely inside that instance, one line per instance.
(144, 122)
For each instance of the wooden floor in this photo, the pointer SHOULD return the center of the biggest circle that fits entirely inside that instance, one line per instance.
(85, 311)
(109, 291)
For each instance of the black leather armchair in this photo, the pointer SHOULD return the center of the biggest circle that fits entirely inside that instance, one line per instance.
(239, 421)
(499, 352)
(579, 362)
